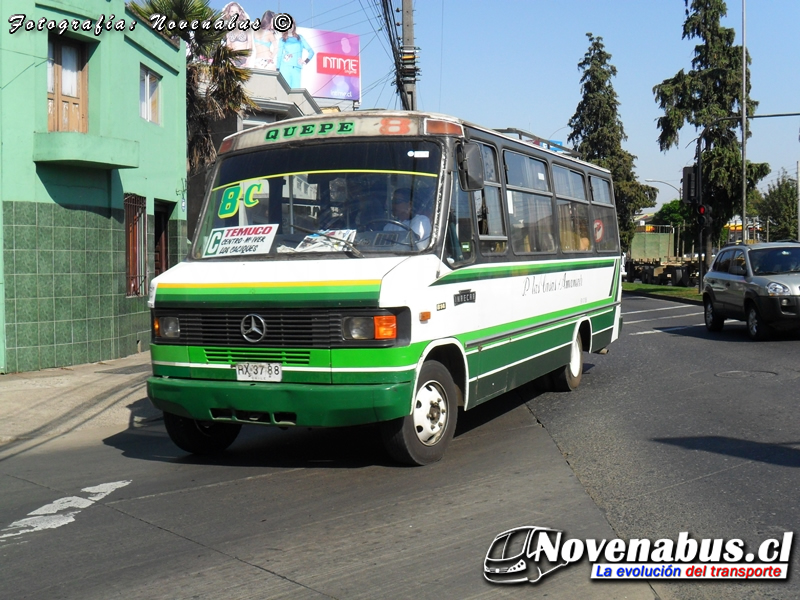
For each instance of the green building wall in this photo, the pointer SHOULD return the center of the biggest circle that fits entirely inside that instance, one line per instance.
(62, 266)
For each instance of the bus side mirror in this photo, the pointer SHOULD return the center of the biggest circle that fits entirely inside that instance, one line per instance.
(470, 167)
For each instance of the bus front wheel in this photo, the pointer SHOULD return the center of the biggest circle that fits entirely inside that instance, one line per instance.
(568, 377)
(200, 437)
(422, 437)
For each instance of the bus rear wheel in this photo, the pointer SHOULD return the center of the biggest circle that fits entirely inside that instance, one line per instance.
(422, 437)
(568, 377)
(200, 437)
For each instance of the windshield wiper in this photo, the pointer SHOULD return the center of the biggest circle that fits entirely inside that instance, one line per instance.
(353, 250)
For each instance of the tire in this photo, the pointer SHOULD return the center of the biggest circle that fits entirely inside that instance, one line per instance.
(568, 377)
(422, 437)
(200, 437)
(713, 321)
(756, 328)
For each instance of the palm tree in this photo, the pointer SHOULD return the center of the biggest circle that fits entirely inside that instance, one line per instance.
(214, 82)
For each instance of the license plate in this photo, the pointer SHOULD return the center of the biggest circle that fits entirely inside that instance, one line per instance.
(259, 372)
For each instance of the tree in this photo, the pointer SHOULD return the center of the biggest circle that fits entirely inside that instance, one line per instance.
(214, 82)
(681, 216)
(779, 207)
(674, 213)
(597, 135)
(710, 91)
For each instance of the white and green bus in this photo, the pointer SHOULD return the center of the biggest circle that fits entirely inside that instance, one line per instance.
(381, 267)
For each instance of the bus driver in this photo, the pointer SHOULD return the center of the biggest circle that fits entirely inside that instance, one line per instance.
(402, 210)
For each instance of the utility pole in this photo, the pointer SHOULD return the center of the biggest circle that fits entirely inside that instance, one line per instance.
(409, 56)
(744, 123)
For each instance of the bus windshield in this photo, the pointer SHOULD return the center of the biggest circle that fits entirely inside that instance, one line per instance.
(322, 198)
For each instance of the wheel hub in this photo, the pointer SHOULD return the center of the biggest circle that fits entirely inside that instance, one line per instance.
(430, 413)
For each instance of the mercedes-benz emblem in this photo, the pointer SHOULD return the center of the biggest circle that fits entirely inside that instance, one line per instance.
(253, 328)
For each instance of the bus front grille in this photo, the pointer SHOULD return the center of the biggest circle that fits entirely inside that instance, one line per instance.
(285, 328)
(228, 356)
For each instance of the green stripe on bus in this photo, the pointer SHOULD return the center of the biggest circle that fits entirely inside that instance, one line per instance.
(511, 329)
(468, 274)
(295, 296)
(401, 356)
(169, 353)
(523, 349)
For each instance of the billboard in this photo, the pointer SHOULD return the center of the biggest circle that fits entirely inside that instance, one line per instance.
(326, 63)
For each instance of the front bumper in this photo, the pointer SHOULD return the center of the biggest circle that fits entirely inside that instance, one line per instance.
(306, 405)
(782, 311)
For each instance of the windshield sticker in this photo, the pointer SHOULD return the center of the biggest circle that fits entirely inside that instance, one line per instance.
(330, 240)
(232, 241)
(229, 204)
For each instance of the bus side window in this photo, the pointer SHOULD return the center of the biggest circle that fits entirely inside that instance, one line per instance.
(530, 208)
(573, 226)
(573, 215)
(489, 207)
(606, 238)
(459, 241)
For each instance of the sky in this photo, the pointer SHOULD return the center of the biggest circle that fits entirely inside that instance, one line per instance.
(514, 63)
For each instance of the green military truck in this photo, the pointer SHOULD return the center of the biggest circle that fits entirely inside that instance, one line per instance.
(652, 258)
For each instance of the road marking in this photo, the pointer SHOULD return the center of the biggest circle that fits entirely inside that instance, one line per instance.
(666, 330)
(694, 314)
(634, 312)
(46, 517)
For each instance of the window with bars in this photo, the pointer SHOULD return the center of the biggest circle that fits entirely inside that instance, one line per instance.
(136, 245)
(66, 85)
(149, 95)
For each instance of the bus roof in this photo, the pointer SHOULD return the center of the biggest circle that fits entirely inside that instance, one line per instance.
(375, 122)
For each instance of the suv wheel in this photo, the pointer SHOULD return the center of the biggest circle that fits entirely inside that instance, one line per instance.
(756, 328)
(713, 321)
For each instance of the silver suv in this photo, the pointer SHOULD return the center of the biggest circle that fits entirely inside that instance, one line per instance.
(758, 284)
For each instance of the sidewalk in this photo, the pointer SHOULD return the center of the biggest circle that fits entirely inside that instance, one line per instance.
(43, 404)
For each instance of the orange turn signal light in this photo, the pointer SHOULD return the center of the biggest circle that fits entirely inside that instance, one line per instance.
(385, 327)
(440, 127)
(425, 316)
(156, 327)
(226, 146)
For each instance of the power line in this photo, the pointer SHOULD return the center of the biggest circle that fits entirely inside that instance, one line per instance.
(325, 12)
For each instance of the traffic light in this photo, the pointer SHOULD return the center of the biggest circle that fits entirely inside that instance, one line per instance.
(689, 190)
(703, 215)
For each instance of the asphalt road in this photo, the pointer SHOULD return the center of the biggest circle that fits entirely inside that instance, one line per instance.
(109, 512)
(674, 430)
(678, 429)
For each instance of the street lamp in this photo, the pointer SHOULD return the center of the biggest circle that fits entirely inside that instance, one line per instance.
(674, 187)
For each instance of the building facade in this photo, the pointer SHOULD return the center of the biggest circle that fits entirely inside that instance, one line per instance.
(92, 179)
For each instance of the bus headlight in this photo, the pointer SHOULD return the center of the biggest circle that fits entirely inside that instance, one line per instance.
(382, 327)
(358, 328)
(167, 327)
